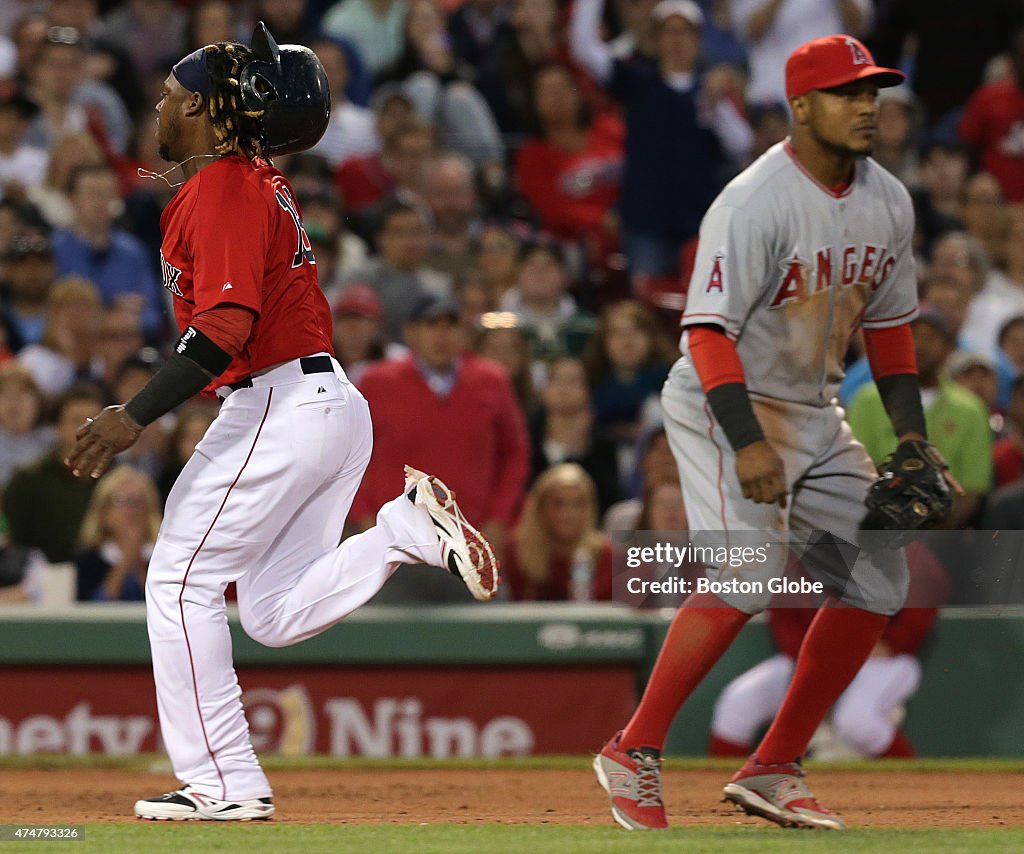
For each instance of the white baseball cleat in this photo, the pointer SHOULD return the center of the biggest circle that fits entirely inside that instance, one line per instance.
(464, 550)
(186, 804)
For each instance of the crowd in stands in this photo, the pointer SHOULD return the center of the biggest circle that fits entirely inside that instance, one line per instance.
(503, 211)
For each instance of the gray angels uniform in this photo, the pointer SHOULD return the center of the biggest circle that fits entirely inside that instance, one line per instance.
(789, 269)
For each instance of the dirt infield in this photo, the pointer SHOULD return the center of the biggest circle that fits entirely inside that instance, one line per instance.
(540, 796)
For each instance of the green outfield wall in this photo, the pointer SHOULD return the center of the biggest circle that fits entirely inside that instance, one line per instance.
(573, 667)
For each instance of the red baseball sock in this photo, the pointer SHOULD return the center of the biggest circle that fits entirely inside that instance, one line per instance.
(834, 649)
(900, 746)
(723, 747)
(702, 630)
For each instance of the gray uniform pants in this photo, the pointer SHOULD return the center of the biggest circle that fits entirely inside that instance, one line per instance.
(828, 473)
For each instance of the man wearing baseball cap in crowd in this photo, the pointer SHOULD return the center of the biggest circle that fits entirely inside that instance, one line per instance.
(357, 331)
(808, 243)
(685, 131)
(443, 403)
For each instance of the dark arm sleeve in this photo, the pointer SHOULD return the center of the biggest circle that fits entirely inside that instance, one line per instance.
(894, 366)
(721, 375)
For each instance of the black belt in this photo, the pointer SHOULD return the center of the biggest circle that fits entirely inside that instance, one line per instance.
(309, 365)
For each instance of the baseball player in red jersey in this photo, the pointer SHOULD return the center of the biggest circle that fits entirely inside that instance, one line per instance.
(263, 499)
(812, 240)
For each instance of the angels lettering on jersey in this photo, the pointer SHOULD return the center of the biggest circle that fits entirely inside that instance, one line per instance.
(802, 278)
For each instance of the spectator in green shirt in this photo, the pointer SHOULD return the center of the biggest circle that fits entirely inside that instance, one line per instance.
(44, 503)
(956, 418)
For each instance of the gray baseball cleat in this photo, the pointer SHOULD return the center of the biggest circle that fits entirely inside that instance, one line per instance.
(779, 793)
(632, 779)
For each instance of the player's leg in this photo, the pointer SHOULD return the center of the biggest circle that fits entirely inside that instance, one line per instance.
(863, 716)
(839, 640)
(198, 697)
(306, 582)
(746, 704)
(704, 626)
(707, 623)
(872, 587)
(257, 462)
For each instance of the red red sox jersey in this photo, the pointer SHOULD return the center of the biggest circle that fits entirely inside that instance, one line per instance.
(233, 235)
(789, 268)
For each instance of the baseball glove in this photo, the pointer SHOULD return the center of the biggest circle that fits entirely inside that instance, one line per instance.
(911, 494)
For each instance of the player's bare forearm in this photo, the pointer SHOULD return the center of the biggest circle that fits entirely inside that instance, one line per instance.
(100, 439)
(965, 505)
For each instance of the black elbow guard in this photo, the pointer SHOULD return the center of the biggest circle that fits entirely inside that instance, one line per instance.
(194, 345)
(178, 380)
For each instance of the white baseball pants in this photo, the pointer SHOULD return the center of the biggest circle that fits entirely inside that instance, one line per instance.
(861, 718)
(262, 503)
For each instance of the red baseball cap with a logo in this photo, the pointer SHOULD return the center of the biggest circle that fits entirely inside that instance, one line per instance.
(834, 61)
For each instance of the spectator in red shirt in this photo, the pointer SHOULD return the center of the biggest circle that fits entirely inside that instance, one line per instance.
(571, 170)
(358, 340)
(558, 553)
(365, 179)
(450, 409)
(993, 123)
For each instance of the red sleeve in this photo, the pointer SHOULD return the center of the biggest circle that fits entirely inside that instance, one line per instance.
(715, 357)
(227, 326)
(537, 176)
(513, 450)
(890, 350)
(789, 625)
(229, 238)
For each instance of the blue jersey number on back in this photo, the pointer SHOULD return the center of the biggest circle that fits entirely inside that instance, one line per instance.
(304, 252)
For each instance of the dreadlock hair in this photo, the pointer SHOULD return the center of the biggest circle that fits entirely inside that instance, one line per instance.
(236, 129)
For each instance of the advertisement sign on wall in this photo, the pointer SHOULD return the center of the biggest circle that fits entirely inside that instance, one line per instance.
(423, 712)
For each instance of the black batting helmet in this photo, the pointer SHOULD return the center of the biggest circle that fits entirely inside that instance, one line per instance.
(289, 85)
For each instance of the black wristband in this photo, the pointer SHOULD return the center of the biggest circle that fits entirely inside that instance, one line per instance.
(179, 379)
(901, 396)
(731, 405)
